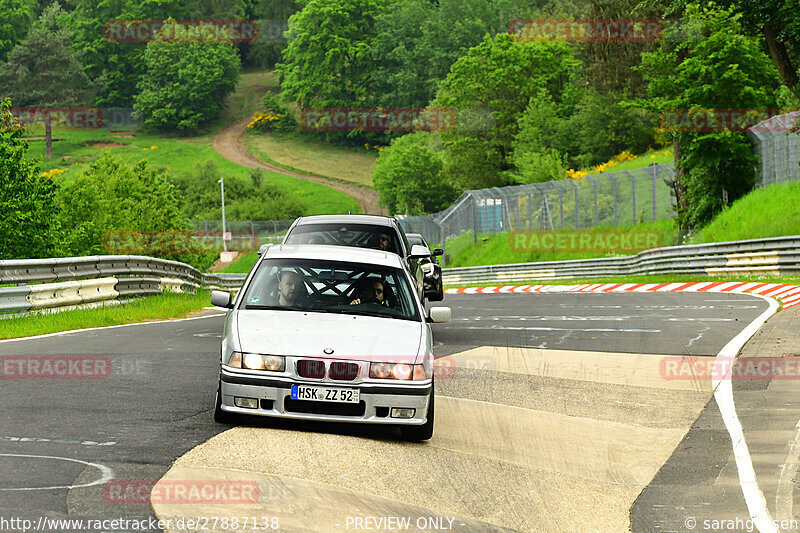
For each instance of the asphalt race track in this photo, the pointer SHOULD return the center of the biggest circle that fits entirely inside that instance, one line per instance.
(553, 414)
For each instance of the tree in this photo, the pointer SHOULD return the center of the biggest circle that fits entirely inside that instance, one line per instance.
(721, 68)
(28, 210)
(272, 16)
(121, 63)
(328, 62)
(185, 83)
(18, 16)
(412, 54)
(777, 22)
(408, 177)
(42, 71)
(496, 79)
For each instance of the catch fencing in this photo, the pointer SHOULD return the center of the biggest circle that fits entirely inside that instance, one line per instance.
(610, 199)
(778, 149)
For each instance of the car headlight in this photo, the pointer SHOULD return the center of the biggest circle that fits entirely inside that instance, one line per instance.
(257, 361)
(401, 371)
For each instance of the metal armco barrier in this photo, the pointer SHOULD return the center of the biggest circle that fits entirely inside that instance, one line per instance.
(777, 255)
(71, 281)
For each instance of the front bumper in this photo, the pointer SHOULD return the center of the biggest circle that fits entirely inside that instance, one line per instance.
(274, 395)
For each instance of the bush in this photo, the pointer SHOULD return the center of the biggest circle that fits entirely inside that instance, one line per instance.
(114, 196)
(28, 210)
(275, 117)
(244, 200)
(408, 177)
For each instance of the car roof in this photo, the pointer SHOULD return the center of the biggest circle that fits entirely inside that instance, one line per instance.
(348, 254)
(415, 236)
(346, 219)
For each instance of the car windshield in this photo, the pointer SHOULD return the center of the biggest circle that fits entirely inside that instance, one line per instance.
(331, 287)
(413, 241)
(359, 235)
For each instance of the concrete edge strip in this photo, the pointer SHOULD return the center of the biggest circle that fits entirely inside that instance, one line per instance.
(787, 295)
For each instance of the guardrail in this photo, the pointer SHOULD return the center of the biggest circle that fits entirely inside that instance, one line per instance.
(74, 281)
(773, 256)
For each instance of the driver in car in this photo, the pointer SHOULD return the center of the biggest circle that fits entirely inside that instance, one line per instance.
(291, 290)
(371, 292)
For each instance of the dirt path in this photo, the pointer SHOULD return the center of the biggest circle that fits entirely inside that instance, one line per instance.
(229, 143)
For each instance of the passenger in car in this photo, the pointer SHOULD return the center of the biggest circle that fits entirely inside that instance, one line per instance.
(370, 291)
(381, 241)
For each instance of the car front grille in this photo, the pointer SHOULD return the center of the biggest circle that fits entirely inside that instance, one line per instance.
(343, 371)
(311, 368)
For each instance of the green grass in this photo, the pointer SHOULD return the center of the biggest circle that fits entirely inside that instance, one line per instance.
(165, 306)
(177, 155)
(352, 165)
(496, 249)
(242, 265)
(773, 211)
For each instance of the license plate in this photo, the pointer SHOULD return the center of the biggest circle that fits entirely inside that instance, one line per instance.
(324, 394)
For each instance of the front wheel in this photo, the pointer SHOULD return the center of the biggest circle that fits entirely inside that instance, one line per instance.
(423, 432)
(219, 415)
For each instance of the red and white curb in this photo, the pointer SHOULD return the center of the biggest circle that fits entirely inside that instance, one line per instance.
(787, 295)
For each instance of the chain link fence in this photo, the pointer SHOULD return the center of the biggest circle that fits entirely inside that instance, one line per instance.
(243, 235)
(777, 148)
(618, 198)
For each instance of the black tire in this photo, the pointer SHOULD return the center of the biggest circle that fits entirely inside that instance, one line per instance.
(420, 433)
(219, 415)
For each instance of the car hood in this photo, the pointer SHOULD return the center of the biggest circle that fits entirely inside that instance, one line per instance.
(309, 334)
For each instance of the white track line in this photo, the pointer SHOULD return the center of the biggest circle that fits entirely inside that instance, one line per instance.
(723, 394)
(69, 332)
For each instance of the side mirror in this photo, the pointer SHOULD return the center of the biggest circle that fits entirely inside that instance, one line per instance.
(440, 314)
(438, 251)
(221, 299)
(419, 252)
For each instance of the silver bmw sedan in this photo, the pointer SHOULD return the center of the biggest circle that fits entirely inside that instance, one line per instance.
(328, 333)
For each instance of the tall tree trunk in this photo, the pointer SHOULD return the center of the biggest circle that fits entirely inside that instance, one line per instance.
(48, 136)
(680, 187)
(781, 59)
